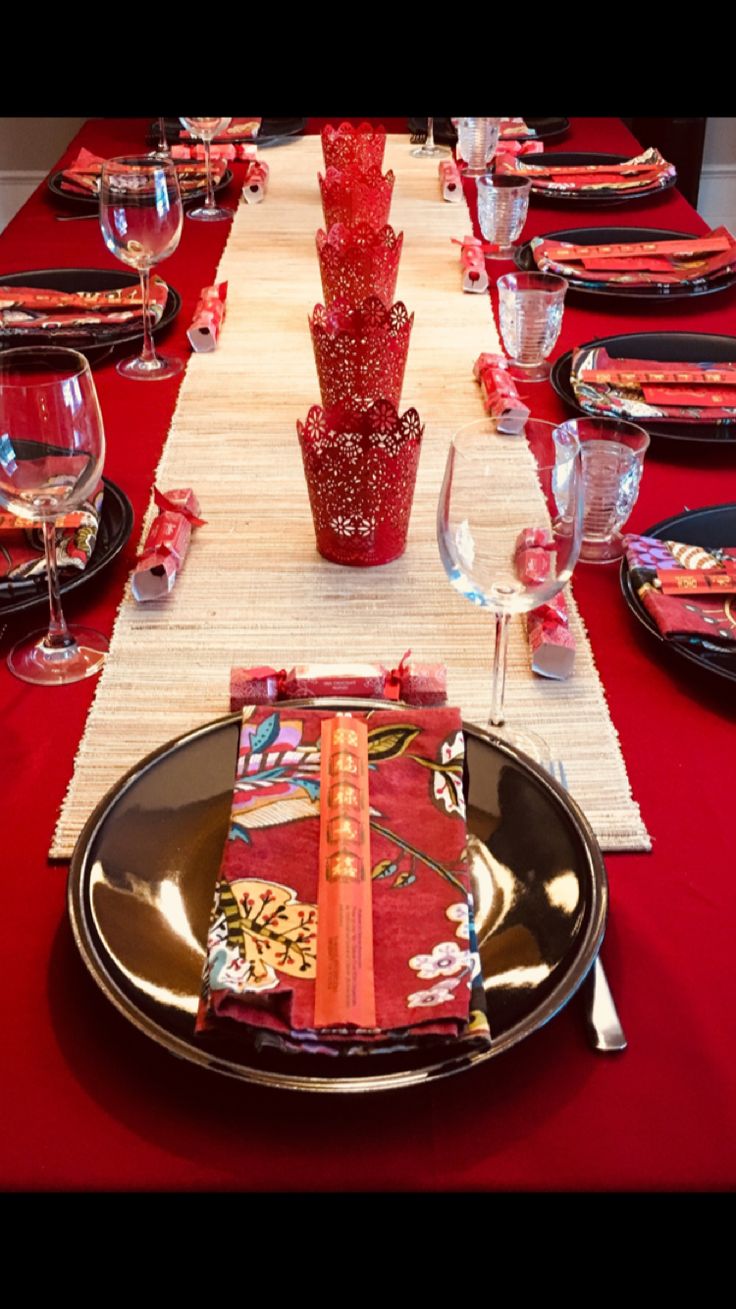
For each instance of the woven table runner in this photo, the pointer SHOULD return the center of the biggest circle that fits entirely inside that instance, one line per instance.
(253, 589)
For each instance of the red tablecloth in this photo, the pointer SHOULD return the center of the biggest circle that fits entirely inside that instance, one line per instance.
(88, 1102)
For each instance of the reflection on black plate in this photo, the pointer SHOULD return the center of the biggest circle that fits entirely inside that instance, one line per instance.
(116, 524)
(524, 260)
(712, 528)
(92, 201)
(143, 873)
(696, 347)
(543, 129)
(273, 131)
(604, 196)
(97, 336)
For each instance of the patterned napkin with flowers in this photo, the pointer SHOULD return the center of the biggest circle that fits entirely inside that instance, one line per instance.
(262, 945)
(22, 555)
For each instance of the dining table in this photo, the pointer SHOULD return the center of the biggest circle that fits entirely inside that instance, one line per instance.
(90, 1103)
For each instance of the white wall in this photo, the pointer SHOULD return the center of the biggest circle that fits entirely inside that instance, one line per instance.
(28, 149)
(717, 200)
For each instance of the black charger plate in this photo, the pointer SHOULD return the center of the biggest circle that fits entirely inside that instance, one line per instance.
(273, 131)
(545, 129)
(524, 259)
(712, 528)
(660, 346)
(541, 904)
(98, 337)
(587, 198)
(92, 201)
(115, 526)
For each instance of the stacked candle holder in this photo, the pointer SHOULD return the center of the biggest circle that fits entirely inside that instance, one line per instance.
(360, 454)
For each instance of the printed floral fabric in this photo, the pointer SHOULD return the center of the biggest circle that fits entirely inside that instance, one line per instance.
(25, 309)
(22, 555)
(697, 618)
(262, 945)
(618, 400)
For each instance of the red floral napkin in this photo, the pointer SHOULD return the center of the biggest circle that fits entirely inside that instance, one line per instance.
(652, 389)
(82, 176)
(33, 308)
(642, 263)
(262, 945)
(21, 543)
(683, 618)
(647, 171)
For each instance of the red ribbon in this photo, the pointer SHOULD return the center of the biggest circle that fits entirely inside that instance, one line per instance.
(162, 502)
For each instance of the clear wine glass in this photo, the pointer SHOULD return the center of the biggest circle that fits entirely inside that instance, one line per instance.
(206, 129)
(530, 308)
(52, 450)
(502, 497)
(429, 150)
(141, 219)
(163, 149)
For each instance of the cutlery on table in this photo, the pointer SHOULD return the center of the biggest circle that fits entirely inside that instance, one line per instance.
(602, 1022)
(75, 218)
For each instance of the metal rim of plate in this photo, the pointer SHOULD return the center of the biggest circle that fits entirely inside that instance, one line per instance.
(33, 594)
(662, 293)
(108, 280)
(688, 433)
(595, 198)
(574, 974)
(92, 201)
(694, 654)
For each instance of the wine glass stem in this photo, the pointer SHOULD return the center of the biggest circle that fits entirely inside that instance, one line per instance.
(430, 135)
(162, 139)
(499, 669)
(58, 637)
(149, 354)
(210, 201)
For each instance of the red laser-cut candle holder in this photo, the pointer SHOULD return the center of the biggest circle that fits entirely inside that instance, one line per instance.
(351, 195)
(346, 146)
(360, 351)
(360, 470)
(356, 262)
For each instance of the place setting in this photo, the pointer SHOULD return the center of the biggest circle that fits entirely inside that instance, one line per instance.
(591, 178)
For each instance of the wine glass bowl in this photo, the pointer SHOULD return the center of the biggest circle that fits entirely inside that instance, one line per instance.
(206, 129)
(141, 219)
(509, 526)
(503, 204)
(52, 453)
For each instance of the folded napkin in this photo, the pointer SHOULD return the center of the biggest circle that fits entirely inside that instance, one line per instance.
(652, 389)
(511, 128)
(641, 263)
(684, 617)
(235, 131)
(22, 554)
(647, 171)
(235, 150)
(34, 308)
(263, 939)
(82, 176)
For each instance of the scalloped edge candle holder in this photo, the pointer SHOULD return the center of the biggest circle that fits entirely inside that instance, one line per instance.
(352, 196)
(360, 351)
(357, 262)
(347, 145)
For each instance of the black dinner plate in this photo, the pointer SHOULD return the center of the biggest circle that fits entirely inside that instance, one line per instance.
(665, 346)
(98, 336)
(273, 131)
(524, 259)
(92, 201)
(602, 197)
(541, 897)
(712, 528)
(544, 129)
(115, 526)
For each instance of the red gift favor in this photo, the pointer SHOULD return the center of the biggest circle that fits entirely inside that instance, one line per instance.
(208, 318)
(256, 181)
(166, 545)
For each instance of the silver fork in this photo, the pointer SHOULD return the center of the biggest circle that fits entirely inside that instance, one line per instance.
(601, 1017)
(418, 138)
